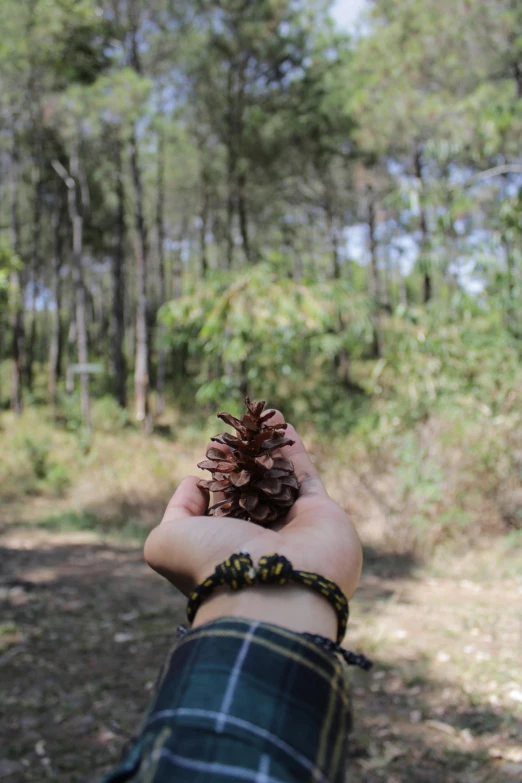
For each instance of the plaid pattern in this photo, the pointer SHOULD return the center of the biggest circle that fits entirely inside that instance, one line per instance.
(243, 701)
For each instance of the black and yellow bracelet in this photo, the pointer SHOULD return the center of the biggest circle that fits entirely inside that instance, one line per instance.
(238, 571)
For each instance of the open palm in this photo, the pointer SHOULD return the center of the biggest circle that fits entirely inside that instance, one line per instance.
(316, 535)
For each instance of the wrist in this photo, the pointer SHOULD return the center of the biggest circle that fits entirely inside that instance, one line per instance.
(294, 607)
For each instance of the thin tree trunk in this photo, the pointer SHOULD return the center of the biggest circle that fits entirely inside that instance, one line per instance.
(377, 346)
(177, 269)
(403, 293)
(517, 72)
(141, 371)
(203, 216)
(16, 289)
(310, 241)
(56, 323)
(243, 215)
(160, 234)
(81, 321)
(231, 169)
(33, 270)
(334, 240)
(297, 267)
(142, 355)
(423, 222)
(117, 324)
(231, 185)
(76, 216)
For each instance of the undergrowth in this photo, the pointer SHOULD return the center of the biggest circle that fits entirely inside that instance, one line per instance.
(432, 431)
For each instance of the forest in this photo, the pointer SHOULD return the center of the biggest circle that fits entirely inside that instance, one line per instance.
(207, 199)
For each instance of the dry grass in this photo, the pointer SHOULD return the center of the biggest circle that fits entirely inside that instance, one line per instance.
(92, 625)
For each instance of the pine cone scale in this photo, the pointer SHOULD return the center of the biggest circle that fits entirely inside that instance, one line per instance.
(259, 485)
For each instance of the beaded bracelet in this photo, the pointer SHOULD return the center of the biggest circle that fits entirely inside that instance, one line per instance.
(238, 571)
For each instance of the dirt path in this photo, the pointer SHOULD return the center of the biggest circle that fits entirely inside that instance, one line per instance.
(85, 628)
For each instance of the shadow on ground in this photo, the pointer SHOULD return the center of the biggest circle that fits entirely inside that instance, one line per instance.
(86, 627)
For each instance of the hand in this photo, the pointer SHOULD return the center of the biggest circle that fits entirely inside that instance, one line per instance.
(316, 535)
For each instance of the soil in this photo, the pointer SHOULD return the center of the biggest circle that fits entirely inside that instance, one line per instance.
(85, 627)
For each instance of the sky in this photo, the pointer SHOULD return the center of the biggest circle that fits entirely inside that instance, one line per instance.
(345, 12)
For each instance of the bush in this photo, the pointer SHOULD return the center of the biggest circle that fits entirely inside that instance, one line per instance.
(34, 462)
(107, 416)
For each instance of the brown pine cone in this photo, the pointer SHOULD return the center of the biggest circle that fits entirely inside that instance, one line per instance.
(258, 485)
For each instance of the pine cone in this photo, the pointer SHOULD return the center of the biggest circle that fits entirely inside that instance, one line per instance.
(259, 485)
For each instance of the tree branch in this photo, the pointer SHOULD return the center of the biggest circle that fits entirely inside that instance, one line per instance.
(63, 174)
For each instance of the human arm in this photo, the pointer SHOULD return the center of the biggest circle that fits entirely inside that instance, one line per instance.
(245, 696)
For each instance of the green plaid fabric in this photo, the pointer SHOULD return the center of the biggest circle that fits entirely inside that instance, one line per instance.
(243, 701)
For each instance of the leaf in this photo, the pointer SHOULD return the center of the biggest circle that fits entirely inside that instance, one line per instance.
(391, 751)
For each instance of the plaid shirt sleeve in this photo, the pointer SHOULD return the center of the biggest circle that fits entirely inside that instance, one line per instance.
(243, 701)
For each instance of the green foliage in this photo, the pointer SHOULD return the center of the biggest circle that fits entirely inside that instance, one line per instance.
(261, 332)
(32, 468)
(128, 530)
(9, 284)
(107, 416)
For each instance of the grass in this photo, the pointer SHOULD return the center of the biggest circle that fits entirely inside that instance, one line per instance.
(114, 530)
(436, 485)
(427, 611)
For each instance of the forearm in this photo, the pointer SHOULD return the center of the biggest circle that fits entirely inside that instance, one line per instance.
(295, 608)
(241, 697)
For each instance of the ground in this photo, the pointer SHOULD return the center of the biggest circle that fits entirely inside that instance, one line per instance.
(86, 627)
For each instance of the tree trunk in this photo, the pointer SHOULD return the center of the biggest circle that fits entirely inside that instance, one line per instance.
(142, 355)
(231, 168)
(160, 234)
(377, 344)
(243, 215)
(33, 271)
(403, 293)
(334, 240)
(56, 323)
(73, 183)
(231, 186)
(81, 320)
(117, 324)
(310, 242)
(16, 288)
(141, 370)
(423, 222)
(177, 269)
(203, 216)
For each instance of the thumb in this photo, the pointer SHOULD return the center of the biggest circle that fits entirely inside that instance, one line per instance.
(189, 500)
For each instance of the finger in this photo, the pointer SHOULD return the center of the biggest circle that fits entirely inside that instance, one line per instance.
(277, 418)
(189, 500)
(305, 470)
